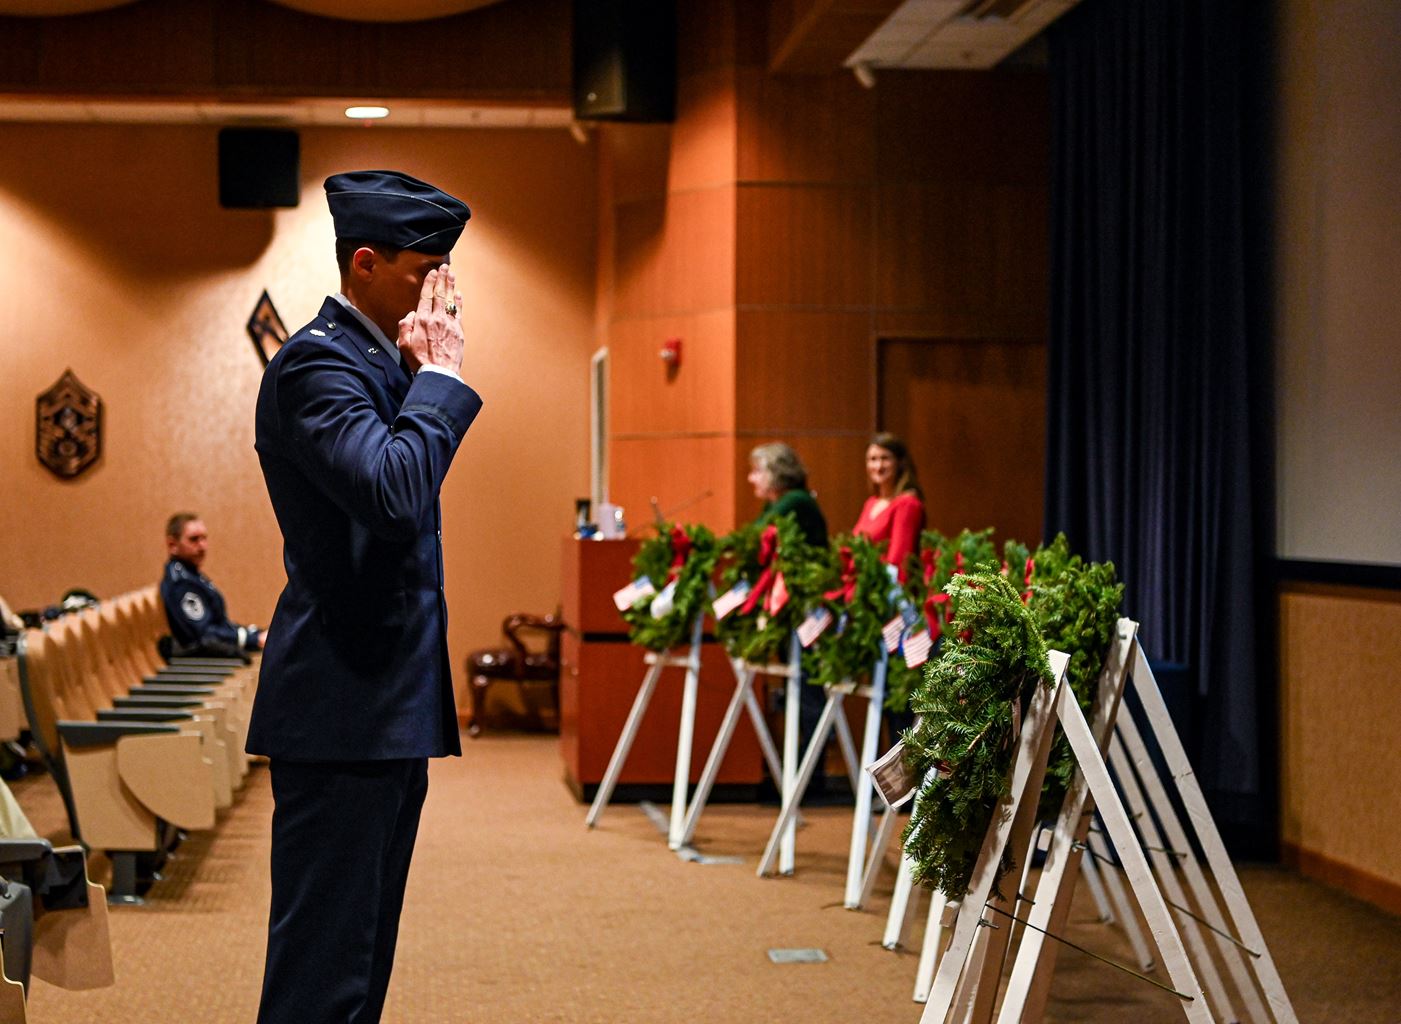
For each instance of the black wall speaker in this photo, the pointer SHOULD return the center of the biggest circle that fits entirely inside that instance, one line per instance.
(624, 60)
(258, 168)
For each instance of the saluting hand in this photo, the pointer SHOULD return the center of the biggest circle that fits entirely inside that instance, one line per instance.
(430, 335)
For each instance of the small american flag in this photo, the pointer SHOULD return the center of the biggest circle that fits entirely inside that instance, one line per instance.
(917, 647)
(891, 633)
(730, 599)
(813, 626)
(633, 592)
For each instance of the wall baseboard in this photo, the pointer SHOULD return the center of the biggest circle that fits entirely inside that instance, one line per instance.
(1354, 881)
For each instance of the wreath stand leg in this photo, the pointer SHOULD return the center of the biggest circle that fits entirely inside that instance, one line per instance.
(1223, 872)
(831, 711)
(656, 661)
(743, 699)
(862, 788)
(1090, 873)
(889, 821)
(792, 718)
(897, 919)
(1129, 757)
(1161, 861)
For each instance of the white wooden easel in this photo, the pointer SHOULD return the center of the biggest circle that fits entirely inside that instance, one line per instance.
(743, 699)
(862, 787)
(1240, 944)
(968, 974)
(1111, 685)
(656, 661)
(785, 770)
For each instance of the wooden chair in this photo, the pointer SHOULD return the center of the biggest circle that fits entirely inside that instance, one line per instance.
(516, 663)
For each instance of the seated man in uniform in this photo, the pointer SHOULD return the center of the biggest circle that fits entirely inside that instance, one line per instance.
(193, 605)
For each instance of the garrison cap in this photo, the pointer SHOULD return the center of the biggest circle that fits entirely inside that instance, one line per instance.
(395, 209)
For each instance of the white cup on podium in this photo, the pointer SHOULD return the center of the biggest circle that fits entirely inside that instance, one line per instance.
(610, 521)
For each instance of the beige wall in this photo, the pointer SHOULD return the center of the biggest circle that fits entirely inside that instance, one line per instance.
(121, 265)
(1340, 719)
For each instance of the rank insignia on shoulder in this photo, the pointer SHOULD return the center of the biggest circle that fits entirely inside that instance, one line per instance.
(319, 333)
(371, 351)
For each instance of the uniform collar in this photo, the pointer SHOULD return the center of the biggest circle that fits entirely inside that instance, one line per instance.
(388, 346)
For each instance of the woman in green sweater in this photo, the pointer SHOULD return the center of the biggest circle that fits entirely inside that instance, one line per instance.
(780, 481)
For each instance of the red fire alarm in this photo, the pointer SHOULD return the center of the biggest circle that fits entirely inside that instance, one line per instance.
(671, 353)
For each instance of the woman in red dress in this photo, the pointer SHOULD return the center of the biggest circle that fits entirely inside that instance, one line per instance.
(895, 510)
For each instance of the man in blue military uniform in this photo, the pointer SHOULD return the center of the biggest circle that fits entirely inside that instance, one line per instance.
(193, 605)
(358, 418)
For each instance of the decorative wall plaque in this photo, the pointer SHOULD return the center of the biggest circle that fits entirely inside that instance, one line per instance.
(266, 328)
(68, 426)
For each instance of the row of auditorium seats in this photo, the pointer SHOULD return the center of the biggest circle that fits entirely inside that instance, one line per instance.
(141, 750)
(53, 918)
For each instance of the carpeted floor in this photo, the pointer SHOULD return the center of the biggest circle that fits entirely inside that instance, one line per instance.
(515, 913)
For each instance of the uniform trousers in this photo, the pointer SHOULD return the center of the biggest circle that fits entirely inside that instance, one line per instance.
(342, 839)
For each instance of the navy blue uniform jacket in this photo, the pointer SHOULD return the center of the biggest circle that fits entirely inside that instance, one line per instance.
(195, 609)
(353, 453)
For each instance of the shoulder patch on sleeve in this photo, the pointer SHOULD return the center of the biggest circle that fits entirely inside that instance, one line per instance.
(193, 606)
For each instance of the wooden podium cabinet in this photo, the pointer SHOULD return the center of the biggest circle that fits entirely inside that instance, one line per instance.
(600, 674)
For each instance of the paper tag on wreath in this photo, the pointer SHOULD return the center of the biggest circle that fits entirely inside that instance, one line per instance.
(917, 647)
(665, 601)
(778, 595)
(891, 633)
(813, 626)
(633, 592)
(730, 599)
(892, 776)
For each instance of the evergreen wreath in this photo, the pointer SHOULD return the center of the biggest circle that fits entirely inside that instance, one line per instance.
(684, 554)
(864, 599)
(993, 658)
(1076, 607)
(941, 559)
(756, 631)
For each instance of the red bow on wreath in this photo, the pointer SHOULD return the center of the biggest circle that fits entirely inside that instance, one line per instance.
(847, 590)
(1026, 582)
(770, 578)
(933, 598)
(680, 551)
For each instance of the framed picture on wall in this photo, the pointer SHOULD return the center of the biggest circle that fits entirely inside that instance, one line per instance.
(266, 328)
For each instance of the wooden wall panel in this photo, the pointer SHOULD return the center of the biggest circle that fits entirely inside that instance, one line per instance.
(703, 137)
(250, 48)
(936, 246)
(676, 470)
(647, 398)
(1339, 649)
(963, 126)
(973, 414)
(675, 254)
(804, 129)
(804, 245)
(804, 370)
(638, 156)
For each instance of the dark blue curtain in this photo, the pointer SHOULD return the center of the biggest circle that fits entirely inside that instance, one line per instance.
(1159, 446)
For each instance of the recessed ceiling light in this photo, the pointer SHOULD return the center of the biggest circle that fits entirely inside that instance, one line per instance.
(366, 113)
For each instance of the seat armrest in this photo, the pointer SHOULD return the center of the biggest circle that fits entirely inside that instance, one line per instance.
(20, 851)
(152, 701)
(151, 714)
(174, 689)
(96, 734)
